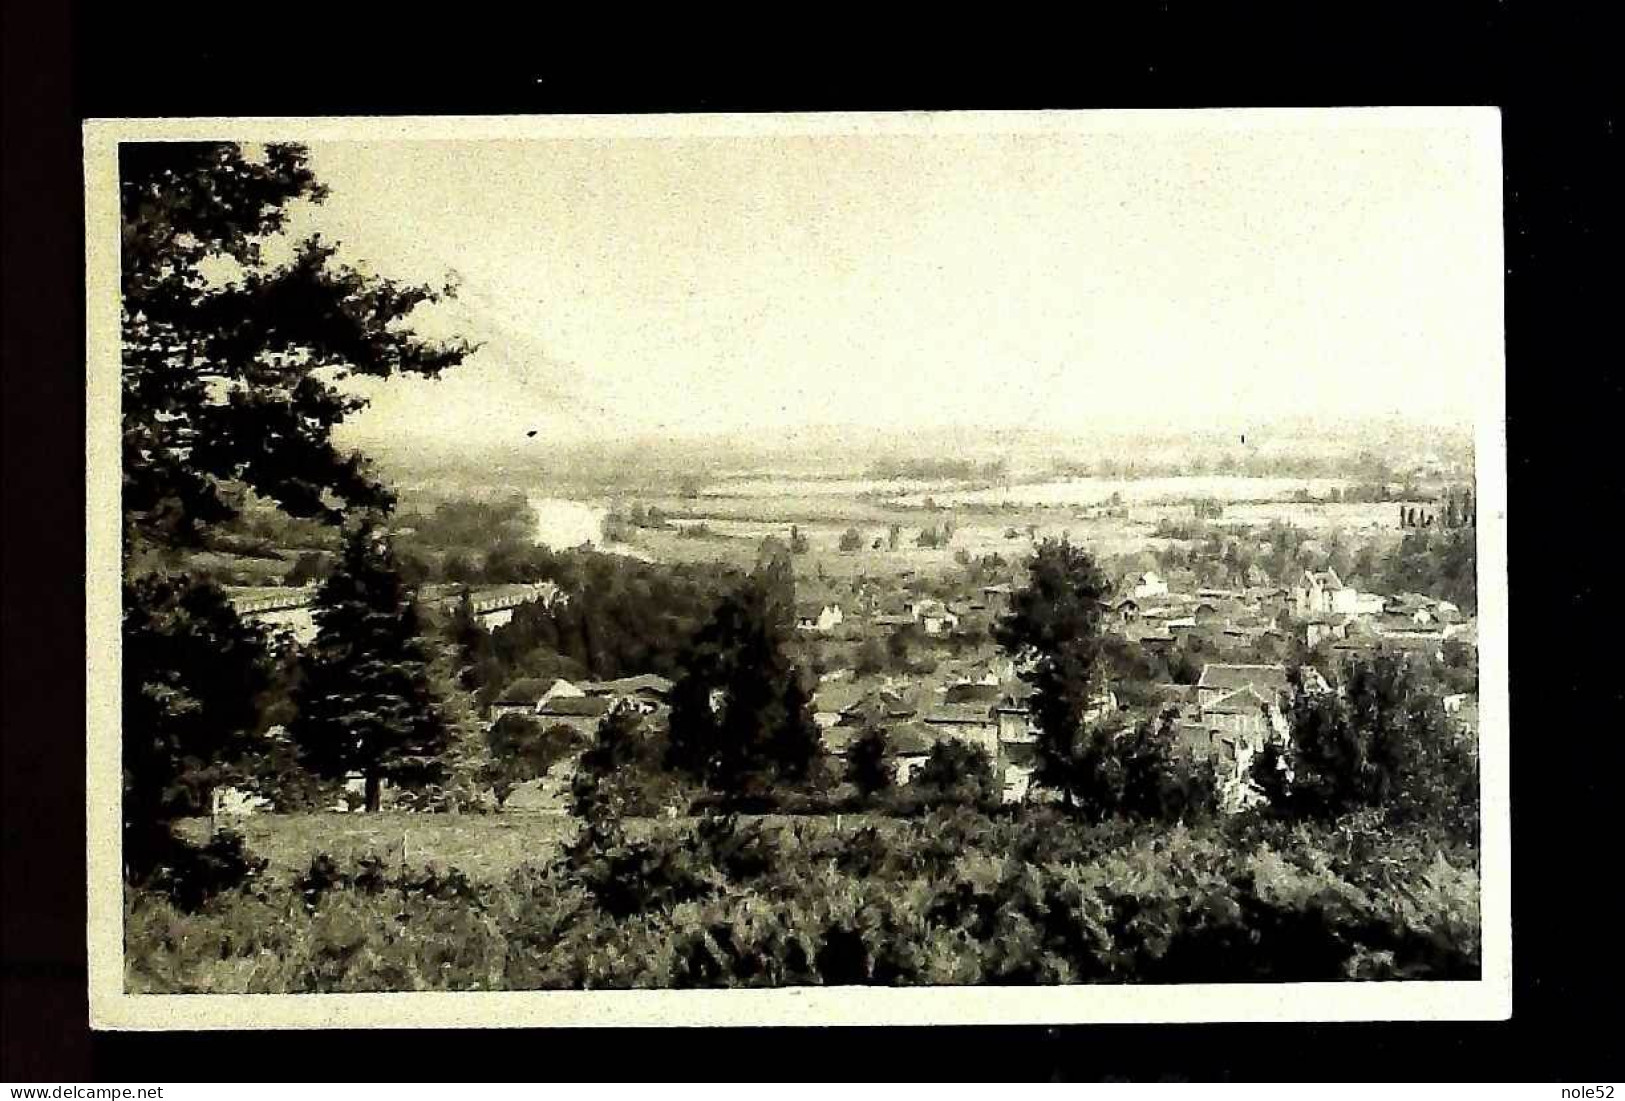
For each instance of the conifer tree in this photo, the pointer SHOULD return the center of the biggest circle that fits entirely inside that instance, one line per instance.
(367, 704)
(193, 674)
(1054, 630)
(741, 716)
(866, 761)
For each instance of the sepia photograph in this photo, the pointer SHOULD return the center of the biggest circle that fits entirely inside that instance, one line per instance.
(960, 567)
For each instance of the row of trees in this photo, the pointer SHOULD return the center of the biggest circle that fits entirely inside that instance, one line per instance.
(939, 469)
(1325, 458)
(1441, 562)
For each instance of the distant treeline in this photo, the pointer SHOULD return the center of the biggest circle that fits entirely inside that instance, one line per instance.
(1372, 473)
(939, 469)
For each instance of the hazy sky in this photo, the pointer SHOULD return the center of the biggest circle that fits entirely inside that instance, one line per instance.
(680, 285)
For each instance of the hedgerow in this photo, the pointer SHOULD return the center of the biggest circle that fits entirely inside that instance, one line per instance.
(958, 897)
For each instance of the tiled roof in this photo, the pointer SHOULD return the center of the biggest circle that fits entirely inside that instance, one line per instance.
(582, 707)
(839, 739)
(910, 739)
(960, 713)
(1243, 701)
(1017, 691)
(973, 693)
(647, 683)
(1266, 678)
(528, 690)
(1182, 693)
(837, 697)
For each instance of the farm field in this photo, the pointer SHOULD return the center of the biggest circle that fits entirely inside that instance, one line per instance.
(483, 847)
(487, 848)
(1097, 491)
(737, 544)
(982, 516)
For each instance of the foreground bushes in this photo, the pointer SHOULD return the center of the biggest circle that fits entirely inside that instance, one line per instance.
(955, 898)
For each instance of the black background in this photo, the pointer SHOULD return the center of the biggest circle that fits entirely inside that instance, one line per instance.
(1542, 63)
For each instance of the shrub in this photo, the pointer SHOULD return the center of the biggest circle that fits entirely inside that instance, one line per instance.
(956, 773)
(629, 877)
(868, 766)
(191, 875)
(1382, 742)
(523, 749)
(958, 896)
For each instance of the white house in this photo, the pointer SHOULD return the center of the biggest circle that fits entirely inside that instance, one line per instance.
(933, 616)
(1149, 585)
(1368, 603)
(1322, 592)
(828, 618)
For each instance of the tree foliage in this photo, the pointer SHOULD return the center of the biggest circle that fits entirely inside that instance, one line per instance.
(1159, 784)
(1382, 741)
(193, 676)
(366, 704)
(622, 618)
(867, 764)
(233, 363)
(521, 748)
(1053, 629)
(741, 716)
(1439, 563)
(235, 346)
(958, 773)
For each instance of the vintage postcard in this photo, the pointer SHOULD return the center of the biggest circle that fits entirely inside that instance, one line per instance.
(797, 569)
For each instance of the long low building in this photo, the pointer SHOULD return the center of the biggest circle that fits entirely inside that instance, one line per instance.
(292, 609)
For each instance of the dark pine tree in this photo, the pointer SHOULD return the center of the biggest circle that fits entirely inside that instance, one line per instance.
(741, 716)
(866, 765)
(471, 645)
(1053, 629)
(193, 676)
(367, 704)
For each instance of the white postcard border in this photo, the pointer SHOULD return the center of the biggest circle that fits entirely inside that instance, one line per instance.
(1489, 998)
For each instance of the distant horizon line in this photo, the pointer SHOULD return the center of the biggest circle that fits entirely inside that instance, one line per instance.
(834, 432)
